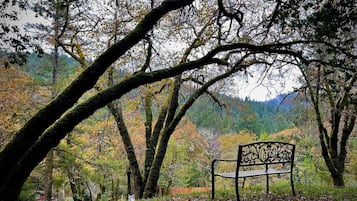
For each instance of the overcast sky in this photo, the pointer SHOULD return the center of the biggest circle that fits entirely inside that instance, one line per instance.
(263, 89)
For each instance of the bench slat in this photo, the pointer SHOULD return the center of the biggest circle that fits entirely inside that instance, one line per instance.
(252, 173)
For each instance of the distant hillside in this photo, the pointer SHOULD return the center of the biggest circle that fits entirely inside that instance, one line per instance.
(41, 67)
(253, 116)
(281, 101)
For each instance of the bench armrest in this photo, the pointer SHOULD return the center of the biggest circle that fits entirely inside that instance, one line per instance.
(221, 160)
(224, 160)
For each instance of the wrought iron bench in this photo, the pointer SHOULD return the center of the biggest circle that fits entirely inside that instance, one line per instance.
(258, 159)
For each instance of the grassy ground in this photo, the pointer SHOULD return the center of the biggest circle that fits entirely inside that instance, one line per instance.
(279, 192)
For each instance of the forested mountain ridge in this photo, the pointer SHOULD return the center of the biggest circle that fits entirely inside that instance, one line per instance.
(238, 114)
(233, 116)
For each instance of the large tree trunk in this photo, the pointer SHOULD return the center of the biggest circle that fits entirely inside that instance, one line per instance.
(129, 148)
(167, 114)
(338, 180)
(152, 135)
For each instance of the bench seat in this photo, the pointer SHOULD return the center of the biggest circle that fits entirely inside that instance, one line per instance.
(252, 173)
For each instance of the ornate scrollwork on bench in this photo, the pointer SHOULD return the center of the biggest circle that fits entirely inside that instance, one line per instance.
(267, 152)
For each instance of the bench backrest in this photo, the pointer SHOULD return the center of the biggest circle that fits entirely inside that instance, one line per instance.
(263, 153)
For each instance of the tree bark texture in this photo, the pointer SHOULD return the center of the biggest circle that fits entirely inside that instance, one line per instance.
(129, 148)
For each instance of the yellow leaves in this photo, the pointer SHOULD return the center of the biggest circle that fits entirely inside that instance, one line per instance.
(17, 99)
(186, 129)
(13, 84)
(286, 135)
(229, 143)
(187, 138)
(233, 140)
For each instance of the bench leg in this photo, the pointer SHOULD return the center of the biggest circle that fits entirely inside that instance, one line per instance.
(236, 187)
(212, 187)
(267, 178)
(292, 184)
(212, 178)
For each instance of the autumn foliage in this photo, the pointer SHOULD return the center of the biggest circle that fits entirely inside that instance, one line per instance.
(20, 97)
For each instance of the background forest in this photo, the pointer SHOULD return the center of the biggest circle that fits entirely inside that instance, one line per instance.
(91, 163)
